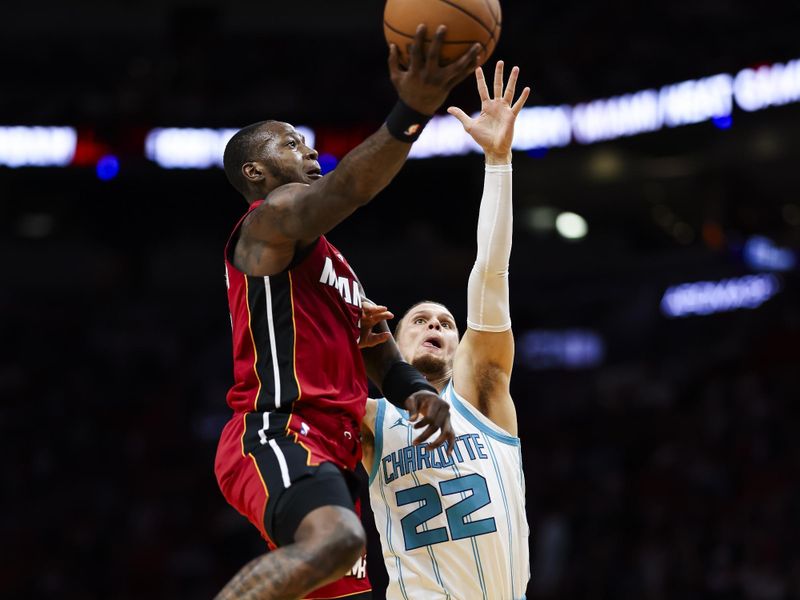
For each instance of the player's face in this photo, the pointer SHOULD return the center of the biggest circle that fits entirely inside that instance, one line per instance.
(287, 157)
(428, 337)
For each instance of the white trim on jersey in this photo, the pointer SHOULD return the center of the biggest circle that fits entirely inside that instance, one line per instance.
(262, 433)
(273, 351)
(282, 462)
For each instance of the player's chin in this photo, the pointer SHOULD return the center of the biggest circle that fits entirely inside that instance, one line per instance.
(428, 362)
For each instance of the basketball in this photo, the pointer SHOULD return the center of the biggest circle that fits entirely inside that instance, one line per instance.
(468, 22)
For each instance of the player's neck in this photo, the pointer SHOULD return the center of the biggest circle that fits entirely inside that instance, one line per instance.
(440, 379)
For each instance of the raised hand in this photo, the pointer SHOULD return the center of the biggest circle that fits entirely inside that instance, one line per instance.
(493, 129)
(371, 315)
(425, 84)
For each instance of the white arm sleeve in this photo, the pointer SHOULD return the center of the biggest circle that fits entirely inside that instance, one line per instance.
(487, 292)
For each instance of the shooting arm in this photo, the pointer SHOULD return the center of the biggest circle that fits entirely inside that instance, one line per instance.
(304, 212)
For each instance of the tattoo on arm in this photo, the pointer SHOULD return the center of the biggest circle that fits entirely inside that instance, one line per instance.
(288, 572)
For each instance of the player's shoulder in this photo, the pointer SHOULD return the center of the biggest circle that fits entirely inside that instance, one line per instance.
(371, 412)
(277, 202)
(380, 411)
(278, 197)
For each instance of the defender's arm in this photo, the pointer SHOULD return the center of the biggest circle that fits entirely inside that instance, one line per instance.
(485, 356)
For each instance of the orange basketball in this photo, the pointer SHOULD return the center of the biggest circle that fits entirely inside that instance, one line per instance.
(468, 22)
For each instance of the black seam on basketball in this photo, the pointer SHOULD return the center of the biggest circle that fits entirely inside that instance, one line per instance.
(411, 37)
(470, 15)
(491, 12)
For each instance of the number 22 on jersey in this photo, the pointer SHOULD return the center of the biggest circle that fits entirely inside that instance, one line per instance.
(459, 523)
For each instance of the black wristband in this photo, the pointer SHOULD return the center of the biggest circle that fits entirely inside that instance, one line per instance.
(401, 381)
(405, 123)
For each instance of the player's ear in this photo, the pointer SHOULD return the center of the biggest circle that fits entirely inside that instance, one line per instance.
(253, 171)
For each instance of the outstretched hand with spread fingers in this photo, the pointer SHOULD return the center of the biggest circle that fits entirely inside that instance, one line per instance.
(493, 128)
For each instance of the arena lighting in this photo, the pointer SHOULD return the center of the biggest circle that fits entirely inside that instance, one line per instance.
(443, 136)
(725, 122)
(541, 127)
(538, 128)
(696, 100)
(107, 167)
(571, 226)
(616, 117)
(709, 297)
(685, 103)
(327, 163)
(37, 146)
(769, 85)
(761, 253)
(568, 349)
(189, 148)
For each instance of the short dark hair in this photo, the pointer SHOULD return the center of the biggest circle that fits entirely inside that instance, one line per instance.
(239, 150)
(412, 307)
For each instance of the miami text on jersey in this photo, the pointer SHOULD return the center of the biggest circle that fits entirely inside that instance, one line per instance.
(343, 285)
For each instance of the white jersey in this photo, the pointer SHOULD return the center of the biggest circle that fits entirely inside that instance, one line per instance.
(451, 527)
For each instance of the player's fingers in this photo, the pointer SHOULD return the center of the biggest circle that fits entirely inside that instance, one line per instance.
(415, 50)
(480, 79)
(498, 80)
(370, 322)
(428, 418)
(511, 88)
(424, 421)
(459, 114)
(446, 435)
(394, 58)
(523, 97)
(451, 439)
(425, 434)
(464, 65)
(376, 339)
(435, 49)
(436, 413)
(441, 439)
(374, 309)
(412, 406)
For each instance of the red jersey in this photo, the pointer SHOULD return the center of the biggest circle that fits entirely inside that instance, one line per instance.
(296, 355)
(300, 387)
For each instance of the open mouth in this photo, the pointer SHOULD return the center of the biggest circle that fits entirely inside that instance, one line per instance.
(314, 173)
(432, 342)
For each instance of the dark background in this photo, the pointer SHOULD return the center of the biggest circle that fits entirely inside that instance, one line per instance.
(667, 471)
